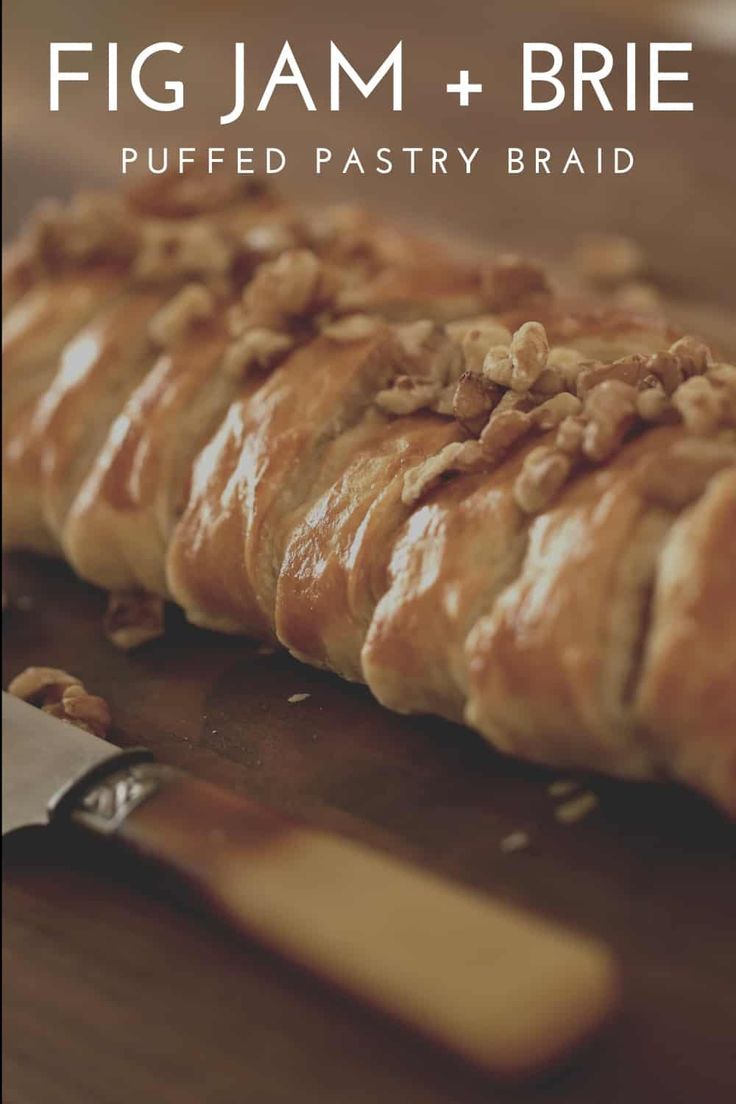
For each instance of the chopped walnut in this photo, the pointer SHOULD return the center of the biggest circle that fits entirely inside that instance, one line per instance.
(63, 696)
(543, 473)
(295, 285)
(515, 400)
(407, 396)
(94, 225)
(445, 400)
(550, 382)
(610, 410)
(630, 370)
(555, 410)
(133, 618)
(180, 250)
(577, 808)
(567, 363)
(473, 401)
(267, 240)
(194, 303)
(196, 192)
(608, 258)
(529, 349)
(477, 341)
(413, 336)
(700, 405)
(695, 351)
(652, 402)
(510, 281)
(430, 353)
(504, 429)
(456, 457)
(723, 378)
(570, 434)
(257, 348)
(670, 368)
(497, 366)
(353, 327)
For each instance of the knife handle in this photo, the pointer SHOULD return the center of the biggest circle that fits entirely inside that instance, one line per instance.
(512, 993)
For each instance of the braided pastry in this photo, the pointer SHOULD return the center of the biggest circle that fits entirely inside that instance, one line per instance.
(414, 466)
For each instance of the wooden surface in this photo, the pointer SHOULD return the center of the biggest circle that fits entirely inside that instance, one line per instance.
(113, 993)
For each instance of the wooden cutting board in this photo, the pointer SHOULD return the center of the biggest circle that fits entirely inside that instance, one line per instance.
(113, 994)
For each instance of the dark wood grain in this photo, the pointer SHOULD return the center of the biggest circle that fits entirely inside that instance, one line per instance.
(114, 994)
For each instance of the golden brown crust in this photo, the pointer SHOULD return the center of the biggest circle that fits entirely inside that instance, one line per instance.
(686, 695)
(334, 567)
(521, 518)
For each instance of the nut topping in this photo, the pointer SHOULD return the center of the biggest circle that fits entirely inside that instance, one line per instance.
(63, 696)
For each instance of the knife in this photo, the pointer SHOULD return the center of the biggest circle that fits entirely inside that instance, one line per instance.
(512, 993)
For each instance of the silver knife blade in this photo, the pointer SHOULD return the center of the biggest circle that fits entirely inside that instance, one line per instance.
(41, 756)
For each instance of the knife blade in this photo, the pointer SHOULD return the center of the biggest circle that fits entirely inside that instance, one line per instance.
(502, 988)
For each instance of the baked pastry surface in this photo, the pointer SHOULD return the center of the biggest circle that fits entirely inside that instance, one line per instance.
(413, 465)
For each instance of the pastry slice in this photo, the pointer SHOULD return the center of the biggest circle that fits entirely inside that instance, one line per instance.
(554, 666)
(260, 469)
(686, 691)
(450, 560)
(335, 564)
(34, 336)
(51, 449)
(117, 530)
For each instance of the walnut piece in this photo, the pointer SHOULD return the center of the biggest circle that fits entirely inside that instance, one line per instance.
(497, 366)
(406, 396)
(653, 404)
(63, 696)
(529, 349)
(555, 410)
(479, 339)
(700, 405)
(173, 250)
(353, 327)
(257, 348)
(458, 456)
(570, 434)
(610, 410)
(194, 303)
(133, 618)
(296, 285)
(94, 226)
(473, 400)
(543, 473)
(504, 429)
(567, 363)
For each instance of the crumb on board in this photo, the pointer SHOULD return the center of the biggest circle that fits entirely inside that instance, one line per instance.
(294, 698)
(265, 650)
(515, 841)
(563, 787)
(574, 810)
